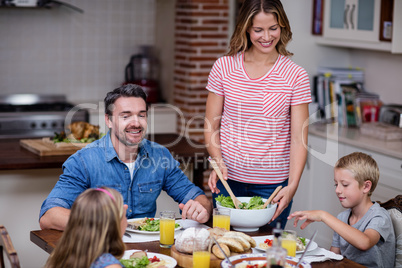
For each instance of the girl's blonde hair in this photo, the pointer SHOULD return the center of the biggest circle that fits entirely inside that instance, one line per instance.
(94, 228)
(363, 167)
(240, 40)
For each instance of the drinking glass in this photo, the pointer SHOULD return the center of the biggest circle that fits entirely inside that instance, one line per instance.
(201, 253)
(289, 242)
(167, 224)
(221, 218)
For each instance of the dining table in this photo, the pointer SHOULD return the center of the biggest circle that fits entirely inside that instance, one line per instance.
(47, 240)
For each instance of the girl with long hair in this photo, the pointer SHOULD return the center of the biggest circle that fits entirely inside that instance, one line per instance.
(93, 235)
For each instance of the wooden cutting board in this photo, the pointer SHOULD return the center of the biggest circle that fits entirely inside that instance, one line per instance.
(186, 260)
(46, 147)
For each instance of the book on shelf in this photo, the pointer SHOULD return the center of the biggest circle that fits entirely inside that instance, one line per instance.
(335, 91)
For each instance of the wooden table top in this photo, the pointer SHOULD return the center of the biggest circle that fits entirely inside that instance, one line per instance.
(47, 240)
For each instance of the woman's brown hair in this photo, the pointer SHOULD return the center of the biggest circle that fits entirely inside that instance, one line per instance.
(240, 40)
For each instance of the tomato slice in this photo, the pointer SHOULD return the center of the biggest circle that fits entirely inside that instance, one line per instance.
(154, 259)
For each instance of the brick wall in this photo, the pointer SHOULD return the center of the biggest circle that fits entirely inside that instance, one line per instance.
(201, 36)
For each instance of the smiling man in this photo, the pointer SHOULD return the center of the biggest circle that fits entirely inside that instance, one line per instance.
(124, 160)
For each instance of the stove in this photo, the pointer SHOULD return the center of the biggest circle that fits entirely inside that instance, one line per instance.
(35, 115)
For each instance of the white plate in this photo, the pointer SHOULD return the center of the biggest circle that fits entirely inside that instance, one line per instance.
(261, 239)
(146, 232)
(258, 258)
(170, 262)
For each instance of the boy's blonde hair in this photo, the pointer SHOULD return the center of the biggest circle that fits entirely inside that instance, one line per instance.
(363, 167)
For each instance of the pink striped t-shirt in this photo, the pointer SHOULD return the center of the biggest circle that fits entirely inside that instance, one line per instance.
(255, 124)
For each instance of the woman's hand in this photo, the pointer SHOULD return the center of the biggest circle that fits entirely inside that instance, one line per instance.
(213, 178)
(283, 198)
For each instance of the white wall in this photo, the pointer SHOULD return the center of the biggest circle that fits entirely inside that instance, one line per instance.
(62, 51)
(21, 196)
(382, 73)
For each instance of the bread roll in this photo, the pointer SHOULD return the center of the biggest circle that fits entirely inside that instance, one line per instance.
(218, 253)
(232, 243)
(242, 235)
(217, 232)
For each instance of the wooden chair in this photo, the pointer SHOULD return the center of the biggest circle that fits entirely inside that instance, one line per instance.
(394, 207)
(7, 246)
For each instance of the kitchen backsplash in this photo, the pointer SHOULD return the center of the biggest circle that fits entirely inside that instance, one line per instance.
(61, 51)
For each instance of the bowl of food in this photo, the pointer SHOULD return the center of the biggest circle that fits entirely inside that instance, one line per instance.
(251, 216)
(259, 260)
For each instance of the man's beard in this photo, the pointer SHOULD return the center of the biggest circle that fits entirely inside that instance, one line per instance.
(123, 139)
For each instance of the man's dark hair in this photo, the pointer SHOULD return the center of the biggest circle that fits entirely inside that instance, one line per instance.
(129, 90)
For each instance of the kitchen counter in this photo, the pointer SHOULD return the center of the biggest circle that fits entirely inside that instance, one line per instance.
(15, 157)
(353, 137)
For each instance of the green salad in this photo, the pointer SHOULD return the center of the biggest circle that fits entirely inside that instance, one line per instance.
(152, 225)
(135, 262)
(254, 203)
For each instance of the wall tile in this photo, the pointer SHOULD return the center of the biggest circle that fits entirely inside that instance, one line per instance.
(61, 51)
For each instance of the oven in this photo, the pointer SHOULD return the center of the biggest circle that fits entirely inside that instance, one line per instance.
(36, 115)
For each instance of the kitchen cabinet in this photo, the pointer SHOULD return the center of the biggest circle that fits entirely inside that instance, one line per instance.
(352, 19)
(390, 183)
(356, 24)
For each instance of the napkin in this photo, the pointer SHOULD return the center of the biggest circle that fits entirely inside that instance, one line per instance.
(138, 237)
(311, 256)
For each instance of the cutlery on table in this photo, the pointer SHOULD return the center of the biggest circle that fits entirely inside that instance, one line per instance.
(308, 245)
(127, 234)
(236, 201)
(272, 196)
(223, 252)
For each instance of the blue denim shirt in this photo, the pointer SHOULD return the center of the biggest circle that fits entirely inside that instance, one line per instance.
(98, 165)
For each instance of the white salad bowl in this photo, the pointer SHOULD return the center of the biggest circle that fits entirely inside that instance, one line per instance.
(244, 220)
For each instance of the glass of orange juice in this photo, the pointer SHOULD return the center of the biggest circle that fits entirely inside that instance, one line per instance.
(167, 224)
(289, 242)
(221, 218)
(201, 253)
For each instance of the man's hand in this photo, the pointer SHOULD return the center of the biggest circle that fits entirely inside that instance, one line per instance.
(194, 210)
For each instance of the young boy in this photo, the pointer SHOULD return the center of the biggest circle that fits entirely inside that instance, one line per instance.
(364, 232)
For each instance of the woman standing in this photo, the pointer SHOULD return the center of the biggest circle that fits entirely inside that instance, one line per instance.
(257, 109)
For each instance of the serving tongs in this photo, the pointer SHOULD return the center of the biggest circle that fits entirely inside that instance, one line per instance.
(272, 196)
(236, 201)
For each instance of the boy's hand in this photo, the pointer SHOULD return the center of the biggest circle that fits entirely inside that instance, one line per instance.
(308, 215)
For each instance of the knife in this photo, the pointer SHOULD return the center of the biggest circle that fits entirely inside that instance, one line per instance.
(308, 245)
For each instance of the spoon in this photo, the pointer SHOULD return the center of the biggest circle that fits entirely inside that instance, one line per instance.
(236, 201)
(272, 196)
